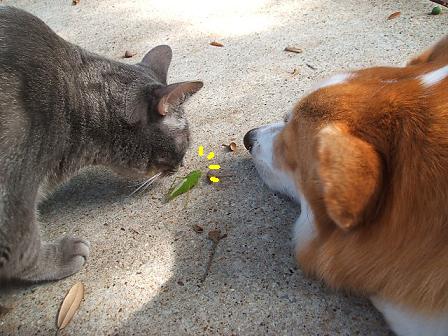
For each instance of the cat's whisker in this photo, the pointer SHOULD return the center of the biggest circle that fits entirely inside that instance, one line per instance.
(151, 182)
(146, 183)
(140, 186)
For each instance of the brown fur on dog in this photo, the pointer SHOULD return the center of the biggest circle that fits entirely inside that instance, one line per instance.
(371, 157)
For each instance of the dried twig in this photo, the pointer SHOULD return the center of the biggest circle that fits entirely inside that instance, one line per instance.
(215, 236)
(209, 262)
(440, 2)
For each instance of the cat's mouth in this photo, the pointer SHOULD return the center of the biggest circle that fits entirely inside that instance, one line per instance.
(164, 168)
(135, 173)
(168, 171)
(146, 176)
(153, 174)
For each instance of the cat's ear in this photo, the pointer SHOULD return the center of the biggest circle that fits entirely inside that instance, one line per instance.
(173, 95)
(158, 59)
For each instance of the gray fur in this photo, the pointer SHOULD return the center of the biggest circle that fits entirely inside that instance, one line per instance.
(63, 108)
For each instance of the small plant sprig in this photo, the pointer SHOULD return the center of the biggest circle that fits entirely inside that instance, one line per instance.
(192, 179)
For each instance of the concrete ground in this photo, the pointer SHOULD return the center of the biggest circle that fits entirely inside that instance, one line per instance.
(144, 274)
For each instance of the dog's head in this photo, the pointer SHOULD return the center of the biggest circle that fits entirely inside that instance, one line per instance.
(366, 151)
(341, 142)
(324, 150)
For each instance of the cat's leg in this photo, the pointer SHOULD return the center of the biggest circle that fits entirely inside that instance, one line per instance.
(57, 260)
(22, 254)
(404, 322)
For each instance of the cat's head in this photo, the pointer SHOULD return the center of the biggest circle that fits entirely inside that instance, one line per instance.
(154, 119)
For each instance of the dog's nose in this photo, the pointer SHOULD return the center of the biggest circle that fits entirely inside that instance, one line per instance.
(249, 139)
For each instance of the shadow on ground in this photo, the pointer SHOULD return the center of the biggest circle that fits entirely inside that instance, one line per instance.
(253, 285)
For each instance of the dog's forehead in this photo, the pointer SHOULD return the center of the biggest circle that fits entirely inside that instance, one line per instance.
(336, 79)
(343, 94)
(325, 95)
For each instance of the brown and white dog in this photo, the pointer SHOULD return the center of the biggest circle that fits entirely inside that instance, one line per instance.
(366, 155)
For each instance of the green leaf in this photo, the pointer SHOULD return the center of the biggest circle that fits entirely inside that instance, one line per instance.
(187, 183)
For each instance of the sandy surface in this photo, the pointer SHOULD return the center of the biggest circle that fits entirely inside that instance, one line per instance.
(144, 274)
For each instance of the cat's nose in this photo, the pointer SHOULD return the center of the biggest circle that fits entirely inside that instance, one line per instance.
(249, 139)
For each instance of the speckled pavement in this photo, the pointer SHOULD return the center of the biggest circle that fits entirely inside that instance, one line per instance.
(144, 275)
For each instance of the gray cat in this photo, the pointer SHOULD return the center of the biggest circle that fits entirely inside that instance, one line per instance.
(63, 108)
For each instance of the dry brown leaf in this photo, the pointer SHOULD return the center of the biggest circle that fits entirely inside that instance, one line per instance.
(295, 72)
(216, 44)
(70, 304)
(214, 235)
(294, 50)
(231, 147)
(394, 15)
(198, 228)
(129, 54)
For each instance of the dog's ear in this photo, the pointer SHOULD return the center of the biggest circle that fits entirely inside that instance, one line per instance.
(437, 53)
(420, 59)
(350, 172)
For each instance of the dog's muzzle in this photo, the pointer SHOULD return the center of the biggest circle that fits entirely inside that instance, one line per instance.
(249, 139)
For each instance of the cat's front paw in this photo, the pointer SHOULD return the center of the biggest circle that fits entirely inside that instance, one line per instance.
(59, 259)
(68, 255)
(74, 251)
